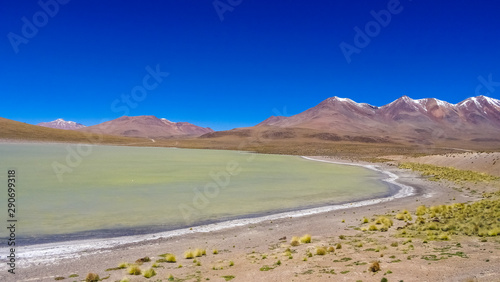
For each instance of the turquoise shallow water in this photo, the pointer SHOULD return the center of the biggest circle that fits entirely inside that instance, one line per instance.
(109, 189)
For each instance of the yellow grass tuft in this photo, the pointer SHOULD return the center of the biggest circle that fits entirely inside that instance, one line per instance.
(295, 241)
(149, 273)
(305, 239)
(199, 252)
(92, 277)
(134, 270)
(320, 251)
(421, 210)
(188, 254)
(494, 232)
(170, 258)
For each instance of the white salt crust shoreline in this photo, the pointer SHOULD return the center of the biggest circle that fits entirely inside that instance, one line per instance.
(53, 252)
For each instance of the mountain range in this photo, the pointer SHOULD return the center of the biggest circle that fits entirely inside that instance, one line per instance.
(405, 119)
(475, 121)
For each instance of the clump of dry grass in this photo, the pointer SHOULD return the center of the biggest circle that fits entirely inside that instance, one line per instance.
(382, 223)
(374, 267)
(494, 232)
(320, 251)
(188, 254)
(215, 251)
(134, 270)
(149, 273)
(440, 222)
(170, 258)
(92, 277)
(421, 210)
(305, 239)
(295, 241)
(331, 249)
(199, 252)
(443, 237)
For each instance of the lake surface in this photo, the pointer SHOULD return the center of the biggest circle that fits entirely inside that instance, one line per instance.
(67, 192)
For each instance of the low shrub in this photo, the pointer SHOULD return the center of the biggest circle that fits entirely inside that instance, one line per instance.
(320, 251)
(374, 267)
(149, 273)
(295, 241)
(305, 239)
(134, 270)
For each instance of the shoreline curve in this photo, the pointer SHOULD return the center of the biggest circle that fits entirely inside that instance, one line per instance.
(53, 252)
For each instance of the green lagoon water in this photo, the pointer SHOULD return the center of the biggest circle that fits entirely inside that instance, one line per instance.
(133, 188)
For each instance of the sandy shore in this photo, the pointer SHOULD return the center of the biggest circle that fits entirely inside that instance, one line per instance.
(475, 161)
(253, 245)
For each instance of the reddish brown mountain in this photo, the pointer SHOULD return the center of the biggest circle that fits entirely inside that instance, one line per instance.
(147, 126)
(424, 120)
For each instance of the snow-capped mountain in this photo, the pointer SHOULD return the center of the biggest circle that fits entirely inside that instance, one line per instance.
(147, 126)
(62, 124)
(404, 118)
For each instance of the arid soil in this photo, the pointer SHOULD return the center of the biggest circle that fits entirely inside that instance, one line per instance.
(480, 162)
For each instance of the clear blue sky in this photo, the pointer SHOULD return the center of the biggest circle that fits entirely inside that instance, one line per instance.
(262, 58)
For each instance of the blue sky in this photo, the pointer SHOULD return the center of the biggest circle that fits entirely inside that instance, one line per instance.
(239, 63)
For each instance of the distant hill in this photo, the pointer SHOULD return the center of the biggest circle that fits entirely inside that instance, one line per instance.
(422, 121)
(147, 126)
(62, 124)
(19, 131)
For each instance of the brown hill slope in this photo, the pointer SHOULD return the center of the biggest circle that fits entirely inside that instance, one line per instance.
(146, 126)
(17, 131)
